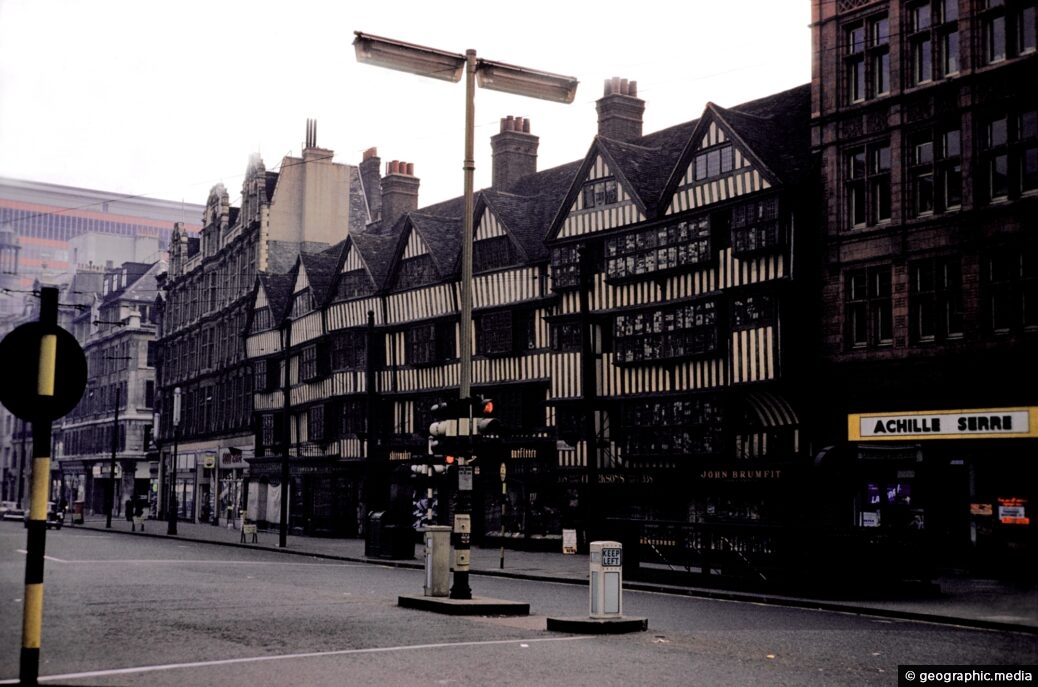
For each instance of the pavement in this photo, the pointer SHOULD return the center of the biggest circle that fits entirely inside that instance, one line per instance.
(956, 599)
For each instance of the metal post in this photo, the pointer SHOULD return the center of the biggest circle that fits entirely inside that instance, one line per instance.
(589, 388)
(469, 167)
(287, 440)
(32, 611)
(115, 446)
(462, 511)
(171, 527)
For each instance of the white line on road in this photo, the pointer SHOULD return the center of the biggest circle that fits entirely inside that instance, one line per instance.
(314, 654)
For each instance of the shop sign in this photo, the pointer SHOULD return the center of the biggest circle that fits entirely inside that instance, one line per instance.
(990, 423)
(981, 509)
(1013, 511)
(740, 475)
(104, 470)
(208, 460)
(232, 458)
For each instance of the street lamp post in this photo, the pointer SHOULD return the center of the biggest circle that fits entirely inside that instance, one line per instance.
(171, 507)
(115, 446)
(449, 66)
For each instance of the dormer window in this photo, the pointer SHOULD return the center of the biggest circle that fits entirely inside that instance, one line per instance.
(714, 162)
(599, 193)
(302, 303)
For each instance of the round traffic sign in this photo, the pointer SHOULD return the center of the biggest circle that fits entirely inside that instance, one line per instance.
(20, 355)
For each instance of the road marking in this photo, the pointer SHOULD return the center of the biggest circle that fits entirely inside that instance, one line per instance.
(313, 654)
(166, 561)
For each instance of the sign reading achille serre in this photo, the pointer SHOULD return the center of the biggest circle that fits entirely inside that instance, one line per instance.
(986, 423)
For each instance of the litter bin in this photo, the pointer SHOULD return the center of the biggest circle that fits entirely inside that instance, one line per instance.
(373, 538)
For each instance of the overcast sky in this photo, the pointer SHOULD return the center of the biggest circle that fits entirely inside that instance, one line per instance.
(167, 99)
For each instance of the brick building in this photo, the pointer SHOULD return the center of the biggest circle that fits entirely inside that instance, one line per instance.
(925, 119)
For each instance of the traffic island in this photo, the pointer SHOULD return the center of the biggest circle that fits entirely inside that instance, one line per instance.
(605, 596)
(473, 606)
(598, 626)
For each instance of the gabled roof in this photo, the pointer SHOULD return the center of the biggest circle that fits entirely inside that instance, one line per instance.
(376, 252)
(278, 288)
(442, 238)
(320, 271)
(774, 129)
(528, 207)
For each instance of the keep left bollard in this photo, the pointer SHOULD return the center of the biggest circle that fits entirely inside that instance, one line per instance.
(605, 596)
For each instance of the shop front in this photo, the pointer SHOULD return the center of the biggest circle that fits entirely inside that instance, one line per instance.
(964, 479)
(324, 495)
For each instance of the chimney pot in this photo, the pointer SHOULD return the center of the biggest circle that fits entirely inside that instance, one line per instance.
(620, 110)
(410, 169)
(370, 153)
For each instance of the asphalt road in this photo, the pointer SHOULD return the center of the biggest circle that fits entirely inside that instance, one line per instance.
(149, 611)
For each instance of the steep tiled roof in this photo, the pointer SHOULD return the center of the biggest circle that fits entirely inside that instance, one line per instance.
(528, 206)
(320, 270)
(776, 130)
(442, 237)
(278, 288)
(376, 251)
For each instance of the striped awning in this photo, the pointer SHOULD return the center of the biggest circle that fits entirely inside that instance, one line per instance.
(771, 409)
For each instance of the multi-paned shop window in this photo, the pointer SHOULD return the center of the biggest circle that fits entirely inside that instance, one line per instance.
(679, 244)
(755, 226)
(677, 331)
(599, 193)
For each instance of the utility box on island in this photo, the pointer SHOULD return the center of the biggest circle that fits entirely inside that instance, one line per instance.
(606, 594)
(437, 560)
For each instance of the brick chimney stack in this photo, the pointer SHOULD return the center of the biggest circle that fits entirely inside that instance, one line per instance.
(620, 110)
(370, 177)
(399, 192)
(514, 152)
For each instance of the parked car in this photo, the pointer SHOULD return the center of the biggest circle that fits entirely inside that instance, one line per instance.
(10, 510)
(55, 517)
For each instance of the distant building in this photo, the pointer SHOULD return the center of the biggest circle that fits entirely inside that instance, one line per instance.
(53, 235)
(113, 422)
(312, 203)
(49, 220)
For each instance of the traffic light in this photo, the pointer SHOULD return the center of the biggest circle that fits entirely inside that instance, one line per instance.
(483, 420)
(444, 436)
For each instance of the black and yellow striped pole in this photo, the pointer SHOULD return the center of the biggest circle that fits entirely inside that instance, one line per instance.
(32, 616)
(34, 390)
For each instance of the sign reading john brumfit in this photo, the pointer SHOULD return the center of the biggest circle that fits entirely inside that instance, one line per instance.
(987, 423)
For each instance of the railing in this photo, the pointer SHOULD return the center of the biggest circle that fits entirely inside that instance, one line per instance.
(771, 556)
